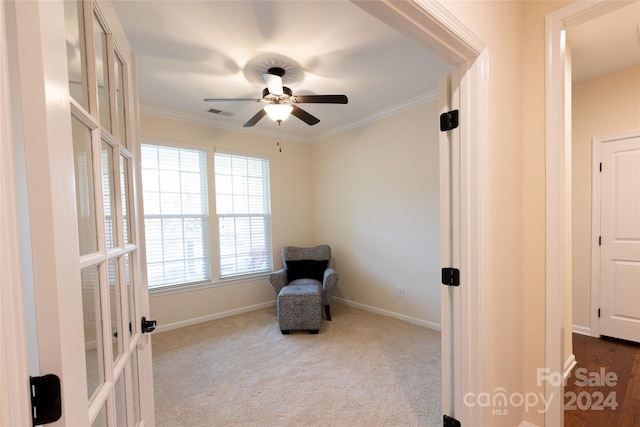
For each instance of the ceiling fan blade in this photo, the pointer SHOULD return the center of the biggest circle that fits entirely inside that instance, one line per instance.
(304, 116)
(274, 84)
(255, 119)
(231, 99)
(321, 99)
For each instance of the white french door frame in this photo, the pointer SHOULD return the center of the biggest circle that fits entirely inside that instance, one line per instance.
(41, 92)
(45, 119)
(558, 191)
(464, 171)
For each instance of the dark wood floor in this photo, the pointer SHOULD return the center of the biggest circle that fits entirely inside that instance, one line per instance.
(592, 402)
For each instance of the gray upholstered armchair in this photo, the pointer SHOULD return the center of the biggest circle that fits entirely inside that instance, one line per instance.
(296, 270)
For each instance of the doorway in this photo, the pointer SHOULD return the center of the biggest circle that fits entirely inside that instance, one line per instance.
(602, 79)
(463, 323)
(559, 167)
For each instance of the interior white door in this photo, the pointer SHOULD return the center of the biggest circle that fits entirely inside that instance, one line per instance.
(620, 233)
(79, 118)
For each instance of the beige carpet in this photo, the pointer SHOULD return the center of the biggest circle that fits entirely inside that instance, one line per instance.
(362, 369)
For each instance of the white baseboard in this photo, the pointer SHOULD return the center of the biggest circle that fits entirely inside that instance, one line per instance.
(527, 424)
(582, 330)
(409, 319)
(569, 364)
(214, 316)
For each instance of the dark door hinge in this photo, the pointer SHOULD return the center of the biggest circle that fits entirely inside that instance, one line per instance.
(448, 120)
(46, 399)
(598, 312)
(451, 276)
(448, 421)
(599, 240)
(600, 166)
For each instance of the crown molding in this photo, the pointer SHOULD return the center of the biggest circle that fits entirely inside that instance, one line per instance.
(206, 121)
(389, 111)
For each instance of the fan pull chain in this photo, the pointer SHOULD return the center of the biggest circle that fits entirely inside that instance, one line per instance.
(278, 137)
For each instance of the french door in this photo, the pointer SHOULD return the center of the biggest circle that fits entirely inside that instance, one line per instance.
(77, 87)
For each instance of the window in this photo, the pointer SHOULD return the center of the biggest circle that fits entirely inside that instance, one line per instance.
(181, 235)
(244, 214)
(176, 215)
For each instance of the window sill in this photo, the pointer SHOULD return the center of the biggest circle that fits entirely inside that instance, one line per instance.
(190, 287)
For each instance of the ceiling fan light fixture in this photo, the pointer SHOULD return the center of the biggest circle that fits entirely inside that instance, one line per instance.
(278, 112)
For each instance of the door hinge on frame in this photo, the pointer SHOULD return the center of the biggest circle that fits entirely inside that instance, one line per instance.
(448, 421)
(451, 276)
(598, 312)
(448, 120)
(46, 399)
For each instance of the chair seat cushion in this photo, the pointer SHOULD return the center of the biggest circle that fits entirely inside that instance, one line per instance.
(303, 282)
(306, 269)
(302, 287)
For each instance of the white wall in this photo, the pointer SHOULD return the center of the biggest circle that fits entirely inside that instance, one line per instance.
(290, 211)
(602, 106)
(376, 202)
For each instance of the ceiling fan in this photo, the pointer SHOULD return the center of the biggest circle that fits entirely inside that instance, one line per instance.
(281, 102)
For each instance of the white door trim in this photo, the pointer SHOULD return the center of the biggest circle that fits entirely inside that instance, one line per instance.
(558, 166)
(596, 179)
(15, 405)
(431, 25)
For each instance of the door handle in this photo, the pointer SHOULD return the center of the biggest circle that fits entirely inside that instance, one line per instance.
(147, 326)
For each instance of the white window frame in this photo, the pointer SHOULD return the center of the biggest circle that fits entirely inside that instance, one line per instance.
(202, 216)
(214, 258)
(266, 215)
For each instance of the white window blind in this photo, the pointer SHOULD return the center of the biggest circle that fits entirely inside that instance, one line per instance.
(176, 215)
(244, 214)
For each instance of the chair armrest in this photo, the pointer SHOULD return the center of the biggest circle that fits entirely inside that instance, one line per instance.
(328, 285)
(278, 279)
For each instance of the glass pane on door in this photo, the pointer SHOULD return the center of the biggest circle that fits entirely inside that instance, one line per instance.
(102, 73)
(130, 295)
(85, 193)
(108, 195)
(121, 402)
(115, 307)
(101, 419)
(120, 101)
(92, 328)
(124, 184)
(135, 385)
(76, 52)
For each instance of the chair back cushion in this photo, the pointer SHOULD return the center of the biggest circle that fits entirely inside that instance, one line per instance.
(306, 269)
(306, 263)
(316, 253)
